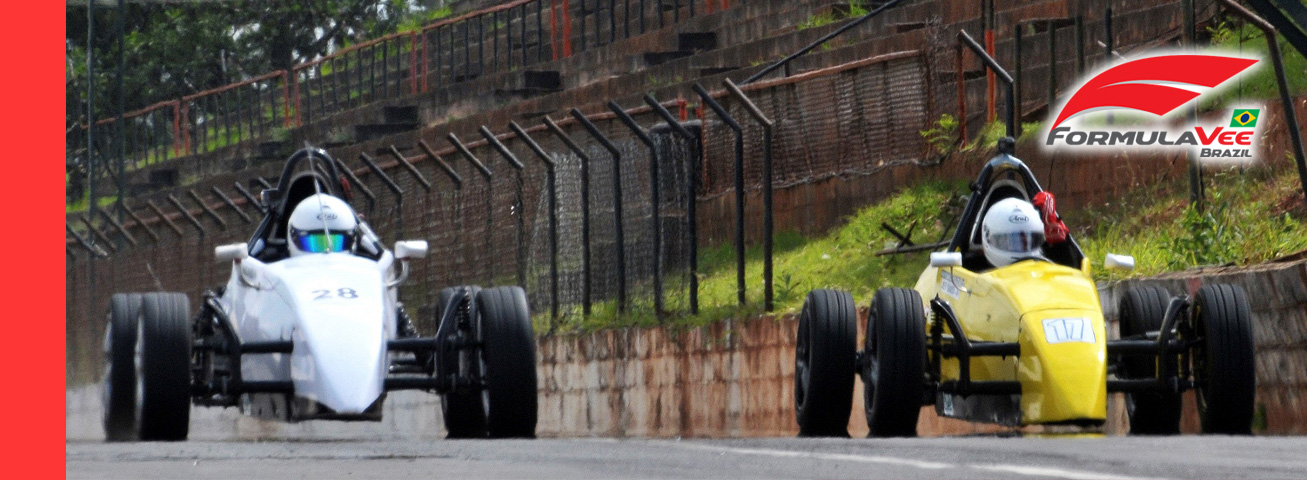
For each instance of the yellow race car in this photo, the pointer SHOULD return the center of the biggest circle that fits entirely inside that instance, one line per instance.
(1024, 343)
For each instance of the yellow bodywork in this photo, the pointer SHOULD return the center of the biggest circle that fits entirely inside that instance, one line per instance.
(1053, 312)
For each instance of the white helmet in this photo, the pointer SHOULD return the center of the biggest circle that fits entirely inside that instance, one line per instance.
(1011, 231)
(322, 223)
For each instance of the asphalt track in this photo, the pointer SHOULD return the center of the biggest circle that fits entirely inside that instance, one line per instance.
(919, 458)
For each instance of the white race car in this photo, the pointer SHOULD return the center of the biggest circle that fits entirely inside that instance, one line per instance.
(316, 336)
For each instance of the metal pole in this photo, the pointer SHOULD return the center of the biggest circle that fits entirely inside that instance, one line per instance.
(1052, 64)
(691, 225)
(823, 39)
(521, 212)
(553, 219)
(1281, 79)
(585, 210)
(1108, 45)
(1016, 77)
(617, 203)
(1195, 172)
(90, 108)
(1002, 74)
(739, 186)
(767, 211)
(654, 200)
(122, 109)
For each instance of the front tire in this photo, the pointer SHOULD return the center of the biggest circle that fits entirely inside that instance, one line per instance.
(1223, 361)
(121, 363)
(1142, 310)
(164, 380)
(509, 353)
(893, 378)
(824, 364)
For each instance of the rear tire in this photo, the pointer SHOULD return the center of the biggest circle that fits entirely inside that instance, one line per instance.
(894, 376)
(824, 364)
(464, 412)
(120, 356)
(1224, 362)
(509, 354)
(1142, 310)
(165, 379)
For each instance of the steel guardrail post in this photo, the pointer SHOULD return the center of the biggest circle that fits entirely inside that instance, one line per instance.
(585, 208)
(768, 223)
(692, 189)
(739, 186)
(654, 200)
(553, 219)
(521, 204)
(617, 203)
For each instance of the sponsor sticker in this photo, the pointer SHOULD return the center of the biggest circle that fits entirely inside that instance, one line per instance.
(950, 284)
(1070, 329)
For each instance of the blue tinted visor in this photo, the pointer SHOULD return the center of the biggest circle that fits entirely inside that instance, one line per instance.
(320, 242)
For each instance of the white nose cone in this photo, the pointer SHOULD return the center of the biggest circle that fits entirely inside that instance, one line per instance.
(339, 358)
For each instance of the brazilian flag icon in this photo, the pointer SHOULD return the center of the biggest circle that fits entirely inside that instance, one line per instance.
(1244, 118)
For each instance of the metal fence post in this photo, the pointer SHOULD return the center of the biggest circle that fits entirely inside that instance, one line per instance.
(490, 187)
(691, 222)
(768, 224)
(585, 209)
(617, 202)
(520, 204)
(553, 219)
(654, 201)
(739, 186)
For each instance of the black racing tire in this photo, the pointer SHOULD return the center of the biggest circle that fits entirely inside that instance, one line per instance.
(825, 363)
(464, 412)
(894, 374)
(509, 353)
(165, 380)
(1224, 365)
(121, 357)
(1141, 310)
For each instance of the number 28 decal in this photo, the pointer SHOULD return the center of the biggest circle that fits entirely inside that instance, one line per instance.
(346, 293)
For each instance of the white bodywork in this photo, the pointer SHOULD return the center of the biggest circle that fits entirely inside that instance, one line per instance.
(337, 308)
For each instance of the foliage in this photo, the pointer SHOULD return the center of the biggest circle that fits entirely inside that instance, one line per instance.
(1260, 82)
(857, 8)
(943, 136)
(1250, 216)
(176, 49)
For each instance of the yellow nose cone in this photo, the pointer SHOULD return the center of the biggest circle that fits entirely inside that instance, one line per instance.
(1063, 367)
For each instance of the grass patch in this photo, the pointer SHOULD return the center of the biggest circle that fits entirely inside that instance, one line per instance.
(843, 258)
(1253, 215)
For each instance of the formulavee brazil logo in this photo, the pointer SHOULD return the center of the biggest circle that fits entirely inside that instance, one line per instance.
(1158, 85)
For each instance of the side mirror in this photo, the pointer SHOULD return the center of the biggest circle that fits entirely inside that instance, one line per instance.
(406, 249)
(945, 259)
(267, 196)
(231, 253)
(1119, 262)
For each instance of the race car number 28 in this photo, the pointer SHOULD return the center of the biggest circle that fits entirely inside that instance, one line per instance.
(327, 294)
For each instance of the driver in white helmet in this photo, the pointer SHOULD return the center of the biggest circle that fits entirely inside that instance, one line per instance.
(1012, 231)
(322, 223)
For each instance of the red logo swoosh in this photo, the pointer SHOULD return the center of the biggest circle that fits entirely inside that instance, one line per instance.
(1139, 84)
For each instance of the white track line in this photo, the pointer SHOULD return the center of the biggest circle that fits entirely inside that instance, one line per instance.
(1042, 472)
